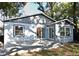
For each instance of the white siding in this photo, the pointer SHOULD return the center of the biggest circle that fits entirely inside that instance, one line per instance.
(29, 32)
(57, 29)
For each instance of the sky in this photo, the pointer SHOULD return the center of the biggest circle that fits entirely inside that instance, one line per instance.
(31, 8)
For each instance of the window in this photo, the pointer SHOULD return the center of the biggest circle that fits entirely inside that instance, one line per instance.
(43, 32)
(67, 32)
(18, 30)
(64, 31)
(51, 33)
(40, 32)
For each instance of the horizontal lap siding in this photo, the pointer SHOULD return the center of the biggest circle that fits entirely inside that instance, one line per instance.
(29, 32)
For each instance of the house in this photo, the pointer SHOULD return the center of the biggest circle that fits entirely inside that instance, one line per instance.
(64, 30)
(37, 27)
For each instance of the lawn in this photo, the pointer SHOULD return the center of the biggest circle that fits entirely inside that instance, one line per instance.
(69, 49)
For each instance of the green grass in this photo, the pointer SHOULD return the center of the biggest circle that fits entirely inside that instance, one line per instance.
(71, 49)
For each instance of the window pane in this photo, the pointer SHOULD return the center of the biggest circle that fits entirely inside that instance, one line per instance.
(43, 32)
(62, 32)
(51, 33)
(67, 32)
(18, 30)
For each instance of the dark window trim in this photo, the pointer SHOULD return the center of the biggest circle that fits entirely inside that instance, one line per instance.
(14, 30)
(65, 30)
(50, 37)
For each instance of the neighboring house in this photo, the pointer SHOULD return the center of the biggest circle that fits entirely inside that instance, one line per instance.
(37, 27)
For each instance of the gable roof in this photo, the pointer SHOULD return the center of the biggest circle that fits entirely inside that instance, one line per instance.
(70, 22)
(30, 16)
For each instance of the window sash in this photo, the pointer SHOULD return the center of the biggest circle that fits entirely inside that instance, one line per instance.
(51, 32)
(64, 31)
(67, 32)
(18, 31)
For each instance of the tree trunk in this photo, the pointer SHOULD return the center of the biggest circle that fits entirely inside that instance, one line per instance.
(75, 21)
(51, 9)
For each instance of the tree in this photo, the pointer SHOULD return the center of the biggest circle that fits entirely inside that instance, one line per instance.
(47, 8)
(10, 8)
(74, 19)
(61, 10)
(57, 10)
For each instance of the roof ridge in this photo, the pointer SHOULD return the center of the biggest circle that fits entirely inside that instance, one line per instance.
(29, 16)
(63, 20)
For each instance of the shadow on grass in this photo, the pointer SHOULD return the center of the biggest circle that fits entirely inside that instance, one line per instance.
(53, 52)
(44, 53)
(69, 49)
(66, 50)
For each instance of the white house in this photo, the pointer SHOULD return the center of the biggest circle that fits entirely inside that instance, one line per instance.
(38, 27)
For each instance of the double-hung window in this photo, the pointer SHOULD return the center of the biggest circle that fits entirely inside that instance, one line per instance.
(64, 31)
(18, 30)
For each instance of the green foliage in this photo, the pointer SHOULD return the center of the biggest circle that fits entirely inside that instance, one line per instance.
(58, 10)
(10, 8)
(62, 10)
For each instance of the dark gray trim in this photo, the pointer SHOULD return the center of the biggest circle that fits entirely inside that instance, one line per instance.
(70, 22)
(14, 30)
(30, 16)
